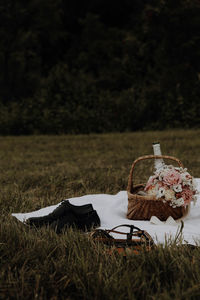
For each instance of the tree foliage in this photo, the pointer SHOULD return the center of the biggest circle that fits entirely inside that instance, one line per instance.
(97, 66)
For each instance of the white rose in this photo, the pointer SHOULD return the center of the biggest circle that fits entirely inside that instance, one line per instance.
(177, 188)
(169, 194)
(160, 193)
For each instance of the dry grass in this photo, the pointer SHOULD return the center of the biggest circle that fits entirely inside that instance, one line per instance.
(37, 171)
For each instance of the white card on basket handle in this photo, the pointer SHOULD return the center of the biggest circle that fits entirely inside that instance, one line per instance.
(159, 162)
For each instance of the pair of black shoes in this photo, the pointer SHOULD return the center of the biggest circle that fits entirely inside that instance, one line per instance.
(66, 215)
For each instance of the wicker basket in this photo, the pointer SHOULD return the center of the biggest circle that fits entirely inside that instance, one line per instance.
(144, 207)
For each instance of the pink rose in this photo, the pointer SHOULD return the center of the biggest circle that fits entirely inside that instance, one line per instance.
(150, 182)
(172, 177)
(186, 194)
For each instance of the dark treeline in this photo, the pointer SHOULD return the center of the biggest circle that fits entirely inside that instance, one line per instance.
(98, 65)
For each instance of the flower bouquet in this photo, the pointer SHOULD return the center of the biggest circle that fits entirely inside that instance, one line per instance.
(173, 185)
(168, 192)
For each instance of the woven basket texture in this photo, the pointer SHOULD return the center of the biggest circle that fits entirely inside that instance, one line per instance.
(144, 207)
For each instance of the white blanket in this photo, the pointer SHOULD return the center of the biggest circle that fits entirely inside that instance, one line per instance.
(112, 212)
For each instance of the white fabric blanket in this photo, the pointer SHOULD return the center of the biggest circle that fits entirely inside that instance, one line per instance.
(112, 212)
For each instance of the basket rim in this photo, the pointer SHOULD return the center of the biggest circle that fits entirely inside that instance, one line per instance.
(145, 198)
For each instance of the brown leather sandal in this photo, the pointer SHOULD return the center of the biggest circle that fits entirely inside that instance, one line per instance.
(136, 240)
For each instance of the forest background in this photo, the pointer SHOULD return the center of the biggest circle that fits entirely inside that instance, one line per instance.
(99, 66)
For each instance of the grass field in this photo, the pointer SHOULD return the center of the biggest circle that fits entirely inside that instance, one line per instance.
(37, 171)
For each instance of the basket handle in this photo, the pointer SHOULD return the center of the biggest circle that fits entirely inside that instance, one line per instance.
(130, 179)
